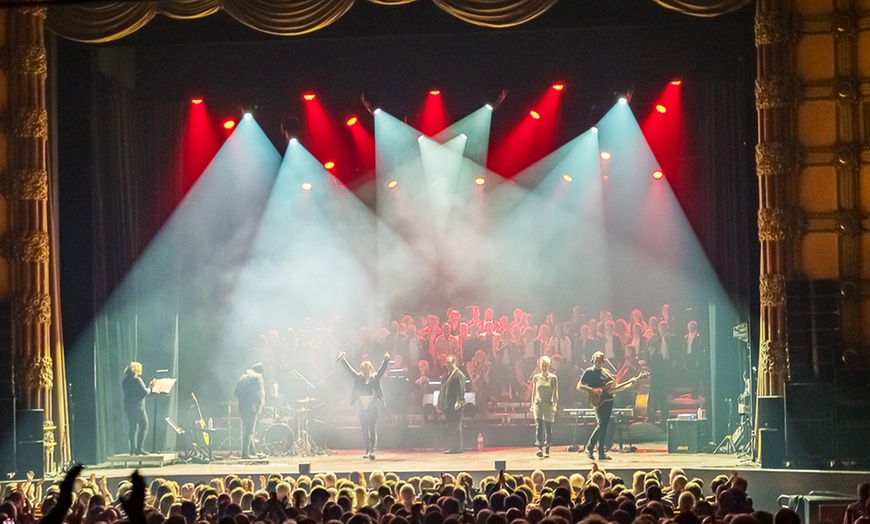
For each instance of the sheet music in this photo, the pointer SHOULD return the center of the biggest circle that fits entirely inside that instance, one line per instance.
(163, 385)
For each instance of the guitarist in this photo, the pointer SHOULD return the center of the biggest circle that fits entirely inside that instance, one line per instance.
(595, 382)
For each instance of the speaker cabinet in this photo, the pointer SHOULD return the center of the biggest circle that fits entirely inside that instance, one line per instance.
(687, 436)
(30, 449)
(771, 448)
(771, 413)
(809, 423)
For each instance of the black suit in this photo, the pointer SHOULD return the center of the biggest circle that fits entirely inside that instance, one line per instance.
(135, 392)
(661, 374)
(453, 393)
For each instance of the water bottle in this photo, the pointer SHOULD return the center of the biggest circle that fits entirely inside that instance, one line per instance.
(480, 442)
(210, 423)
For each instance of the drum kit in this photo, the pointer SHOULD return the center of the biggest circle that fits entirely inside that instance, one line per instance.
(283, 430)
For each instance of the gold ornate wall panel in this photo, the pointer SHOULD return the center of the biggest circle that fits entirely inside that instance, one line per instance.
(4, 157)
(822, 47)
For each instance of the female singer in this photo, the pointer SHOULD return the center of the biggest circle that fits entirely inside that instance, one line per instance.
(135, 391)
(545, 398)
(367, 392)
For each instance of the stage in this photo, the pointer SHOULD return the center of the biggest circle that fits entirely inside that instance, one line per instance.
(765, 485)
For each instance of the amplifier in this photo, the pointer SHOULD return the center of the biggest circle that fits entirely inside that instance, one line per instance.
(687, 436)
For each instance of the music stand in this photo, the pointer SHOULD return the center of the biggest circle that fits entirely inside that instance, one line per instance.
(161, 386)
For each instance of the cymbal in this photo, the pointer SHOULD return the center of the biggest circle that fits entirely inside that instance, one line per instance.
(305, 400)
(302, 410)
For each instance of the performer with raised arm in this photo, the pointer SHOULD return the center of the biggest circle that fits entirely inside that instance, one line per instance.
(367, 392)
(545, 399)
(599, 383)
(135, 391)
(251, 392)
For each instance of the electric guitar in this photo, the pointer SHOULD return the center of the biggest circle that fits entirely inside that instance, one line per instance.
(597, 395)
(205, 436)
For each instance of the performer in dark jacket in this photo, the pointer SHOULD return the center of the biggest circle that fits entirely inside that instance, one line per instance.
(135, 392)
(451, 399)
(367, 392)
(251, 392)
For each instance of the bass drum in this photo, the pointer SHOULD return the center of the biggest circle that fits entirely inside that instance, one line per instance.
(278, 439)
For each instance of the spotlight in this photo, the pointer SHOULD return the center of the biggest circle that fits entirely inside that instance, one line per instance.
(658, 174)
(593, 129)
(558, 87)
(309, 97)
(229, 124)
(435, 92)
(329, 165)
(294, 141)
(196, 101)
(567, 178)
(306, 186)
(376, 111)
(676, 82)
(480, 181)
(393, 184)
(534, 114)
(661, 109)
(352, 120)
(623, 100)
(605, 177)
(488, 107)
(248, 115)
(420, 138)
(605, 155)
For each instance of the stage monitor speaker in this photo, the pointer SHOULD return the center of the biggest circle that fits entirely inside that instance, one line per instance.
(500, 465)
(30, 454)
(304, 468)
(771, 413)
(687, 436)
(771, 444)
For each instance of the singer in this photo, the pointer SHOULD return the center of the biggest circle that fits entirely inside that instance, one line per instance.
(135, 392)
(367, 393)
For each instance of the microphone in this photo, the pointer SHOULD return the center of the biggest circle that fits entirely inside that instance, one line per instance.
(192, 394)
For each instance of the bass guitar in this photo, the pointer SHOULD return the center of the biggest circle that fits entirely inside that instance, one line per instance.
(596, 396)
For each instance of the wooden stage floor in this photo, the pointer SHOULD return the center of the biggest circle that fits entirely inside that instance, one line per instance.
(766, 485)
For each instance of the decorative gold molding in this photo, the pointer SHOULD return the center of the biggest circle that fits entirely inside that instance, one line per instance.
(844, 24)
(30, 60)
(777, 158)
(36, 373)
(775, 356)
(31, 308)
(37, 11)
(776, 91)
(30, 123)
(847, 154)
(776, 224)
(26, 246)
(25, 184)
(847, 88)
(849, 222)
(774, 28)
(772, 290)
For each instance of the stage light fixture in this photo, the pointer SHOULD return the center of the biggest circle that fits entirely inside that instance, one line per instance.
(393, 184)
(658, 174)
(558, 87)
(376, 111)
(676, 82)
(593, 129)
(306, 186)
(623, 100)
(605, 177)
(420, 138)
(488, 107)
(196, 101)
(309, 97)
(352, 120)
(248, 115)
(661, 109)
(294, 141)
(567, 178)
(534, 114)
(605, 155)
(329, 165)
(480, 181)
(229, 124)
(435, 92)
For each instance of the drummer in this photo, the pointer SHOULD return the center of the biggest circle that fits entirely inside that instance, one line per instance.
(275, 398)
